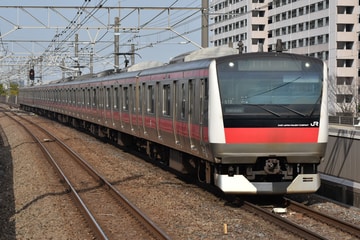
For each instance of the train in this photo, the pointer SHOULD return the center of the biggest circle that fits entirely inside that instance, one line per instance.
(247, 123)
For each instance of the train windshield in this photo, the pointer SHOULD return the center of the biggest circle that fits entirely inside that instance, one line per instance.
(279, 86)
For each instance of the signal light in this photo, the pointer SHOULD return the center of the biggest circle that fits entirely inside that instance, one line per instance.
(32, 74)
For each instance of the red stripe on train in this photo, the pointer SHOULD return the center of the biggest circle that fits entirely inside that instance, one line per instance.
(271, 135)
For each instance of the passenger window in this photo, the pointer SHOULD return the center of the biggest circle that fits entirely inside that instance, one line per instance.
(183, 101)
(94, 99)
(126, 99)
(116, 100)
(150, 99)
(108, 98)
(166, 100)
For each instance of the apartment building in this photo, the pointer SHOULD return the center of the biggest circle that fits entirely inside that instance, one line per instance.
(325, 29)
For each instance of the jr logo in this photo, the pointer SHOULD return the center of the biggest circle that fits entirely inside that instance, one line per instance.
(314, 124)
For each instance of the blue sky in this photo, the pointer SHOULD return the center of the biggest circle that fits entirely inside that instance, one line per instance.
(153, 43)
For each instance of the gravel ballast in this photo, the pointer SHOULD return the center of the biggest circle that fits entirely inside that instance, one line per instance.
(35, 205)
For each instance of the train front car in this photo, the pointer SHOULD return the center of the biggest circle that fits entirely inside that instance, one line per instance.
(268, 122)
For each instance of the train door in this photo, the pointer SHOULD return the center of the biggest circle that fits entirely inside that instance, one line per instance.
(175, 110)
(191, 99)
(150, 118)
(158, 108)
(108, 105)
(182, 127)
(137, 106)
(203, 115)
(94, 104)
(116, 107)
(143, 104)
(100, 113)
(83, 102)
(132, 109)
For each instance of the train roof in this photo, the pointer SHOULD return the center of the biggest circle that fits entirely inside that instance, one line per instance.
(189, 61)
(204, 53)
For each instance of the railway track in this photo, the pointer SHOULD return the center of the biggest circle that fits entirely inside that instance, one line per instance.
(280, 221)
(302, 231)
(108, 212)
(330, 221)
(305, 222)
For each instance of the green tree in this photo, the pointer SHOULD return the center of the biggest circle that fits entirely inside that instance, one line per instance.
(14, 89)
(2, 90)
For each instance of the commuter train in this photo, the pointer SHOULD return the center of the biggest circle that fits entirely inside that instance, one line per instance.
(251, 123)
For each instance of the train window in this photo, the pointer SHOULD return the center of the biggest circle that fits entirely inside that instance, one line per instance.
(125, 99)
(116, 100)
(88, 97)
(134, 98)
(100, 99)
(78, 96)
(166, 99)
(107, 98)
(73, 96)
(94, 97)
(183, 101)
(150, 103)
(83, 96)
(67, 98)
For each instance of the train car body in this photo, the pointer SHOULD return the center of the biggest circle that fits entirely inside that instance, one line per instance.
(252, 123)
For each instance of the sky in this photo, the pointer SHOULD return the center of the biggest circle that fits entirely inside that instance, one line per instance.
(29, 32)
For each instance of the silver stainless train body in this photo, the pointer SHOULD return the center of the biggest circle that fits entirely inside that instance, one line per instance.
(251, 123)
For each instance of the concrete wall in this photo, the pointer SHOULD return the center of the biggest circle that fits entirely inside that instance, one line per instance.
(341, 167)
(342, 158)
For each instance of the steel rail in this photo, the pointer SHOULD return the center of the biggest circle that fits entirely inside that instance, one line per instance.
(89, 217)
(288, 225)
(332, 221)
(135, 211)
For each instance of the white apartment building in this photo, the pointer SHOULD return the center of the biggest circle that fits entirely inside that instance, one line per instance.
(325, 29)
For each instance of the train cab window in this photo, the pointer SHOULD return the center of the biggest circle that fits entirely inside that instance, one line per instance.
(150, 103)
(166, 100)
(125, 99)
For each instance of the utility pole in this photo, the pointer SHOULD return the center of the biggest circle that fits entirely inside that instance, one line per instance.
(132, 56)
(116, 44)
(77, 64)
(205, 24)
(91, 62)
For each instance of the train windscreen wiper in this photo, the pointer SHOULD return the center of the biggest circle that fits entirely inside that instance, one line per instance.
(263, 108)
(315, 105)
(291, 110)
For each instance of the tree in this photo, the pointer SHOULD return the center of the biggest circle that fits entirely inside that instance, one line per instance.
(2, 90)
(14, 89)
